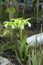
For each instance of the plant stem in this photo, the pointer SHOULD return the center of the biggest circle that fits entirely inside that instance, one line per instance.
(0, 8)
(21, 35)
(37, 13)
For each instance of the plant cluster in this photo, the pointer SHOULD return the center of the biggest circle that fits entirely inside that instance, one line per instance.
(18, 23)
(24, 54)
(21, 47)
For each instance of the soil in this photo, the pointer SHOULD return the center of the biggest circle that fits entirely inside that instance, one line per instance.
(10, 54)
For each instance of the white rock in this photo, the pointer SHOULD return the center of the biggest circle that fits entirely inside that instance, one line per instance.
(32, 39)
(5, 61)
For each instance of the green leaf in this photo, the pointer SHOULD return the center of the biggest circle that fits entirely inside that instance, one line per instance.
(26, 51)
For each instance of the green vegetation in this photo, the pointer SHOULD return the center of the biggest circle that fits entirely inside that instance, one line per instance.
(19, 24)
(14, 33)
(24, 53)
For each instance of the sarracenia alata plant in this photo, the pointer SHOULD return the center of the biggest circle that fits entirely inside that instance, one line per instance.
(19, 23)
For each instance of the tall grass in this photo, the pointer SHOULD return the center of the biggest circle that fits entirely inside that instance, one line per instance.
(0, 9)
(37, 12)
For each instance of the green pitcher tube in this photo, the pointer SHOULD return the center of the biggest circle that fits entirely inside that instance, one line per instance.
(0, 7)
